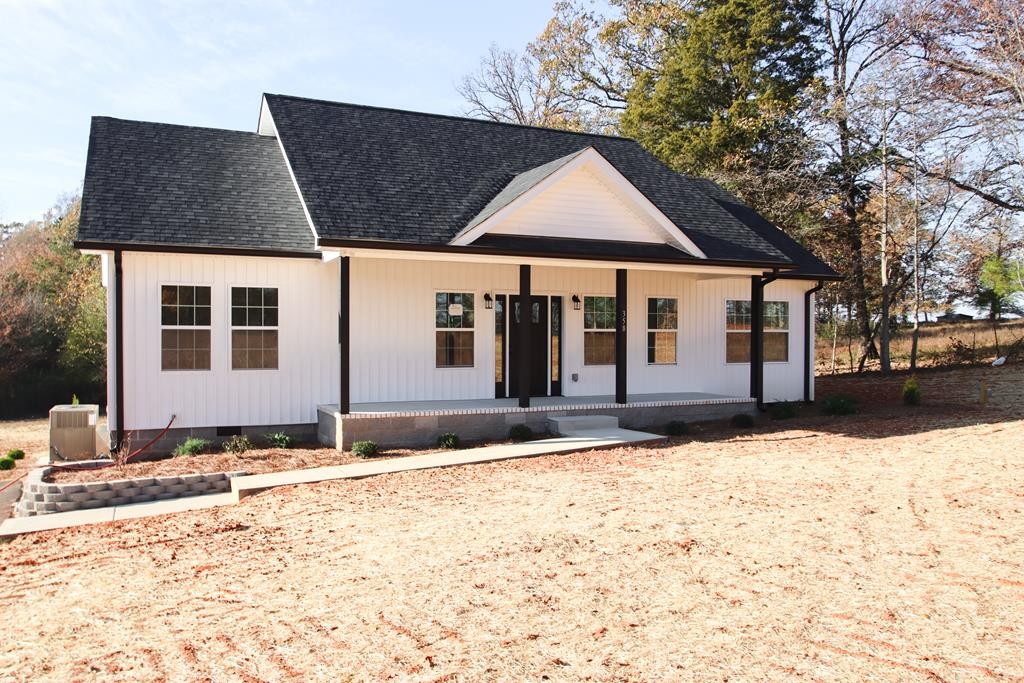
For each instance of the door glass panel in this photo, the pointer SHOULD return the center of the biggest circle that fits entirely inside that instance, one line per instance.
(535, 313)
(499, 340)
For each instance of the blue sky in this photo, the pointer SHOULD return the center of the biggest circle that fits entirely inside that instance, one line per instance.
(206, 63)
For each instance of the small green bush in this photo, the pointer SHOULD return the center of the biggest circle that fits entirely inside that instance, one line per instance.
(15, 454)
(677, 428)
(742, 421)
(7, 463)
(74, 399)
(239, 443)
(278, 440)
(448, 440)
(911, 392)
(783, 410)
(839, 404)
(193, 445)
(364, 449)
(518, 432)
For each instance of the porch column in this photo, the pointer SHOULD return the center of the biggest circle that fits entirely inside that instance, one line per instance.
(344, 327)
(756, 337)
(620, 335)
(524, 336)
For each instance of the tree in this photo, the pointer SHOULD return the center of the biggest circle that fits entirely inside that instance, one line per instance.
(974, 53)
(52, 323)
(511, 88)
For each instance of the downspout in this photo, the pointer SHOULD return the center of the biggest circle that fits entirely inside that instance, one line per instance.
(119, 350)
(809, 342)
(757, 284)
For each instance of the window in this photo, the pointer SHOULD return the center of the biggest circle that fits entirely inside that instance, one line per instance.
(737, 331)
(184, 327)
(599, 330)
(453, 321)
(254, 328)
(662, 323)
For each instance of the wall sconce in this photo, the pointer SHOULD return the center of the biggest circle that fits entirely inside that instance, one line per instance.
(488, 301)
(575, 302)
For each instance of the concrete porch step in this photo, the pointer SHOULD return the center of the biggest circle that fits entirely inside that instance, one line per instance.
(567, 425)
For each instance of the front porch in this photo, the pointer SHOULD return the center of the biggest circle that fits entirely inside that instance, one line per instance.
(419, 423)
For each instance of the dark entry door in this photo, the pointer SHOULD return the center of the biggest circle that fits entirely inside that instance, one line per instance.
(537, 319)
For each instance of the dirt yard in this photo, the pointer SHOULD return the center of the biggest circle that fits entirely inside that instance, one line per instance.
(882, 546)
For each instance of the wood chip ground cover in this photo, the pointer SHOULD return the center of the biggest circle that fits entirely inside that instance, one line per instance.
(882, 546)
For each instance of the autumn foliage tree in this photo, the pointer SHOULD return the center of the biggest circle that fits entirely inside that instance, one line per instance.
(52, 323)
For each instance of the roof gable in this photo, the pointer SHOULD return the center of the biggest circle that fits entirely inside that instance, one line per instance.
(579, 196)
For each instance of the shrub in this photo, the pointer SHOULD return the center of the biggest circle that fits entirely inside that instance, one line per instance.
(74, 400)
(783, 410)
(15, 454)
(742, 421)
(839, 404)
(193, 445)
(278, 440)
(7, 463)
(239, 443)
(911, 392)
(448, 440)
(364, 449)
(677, 428)
(518, 432)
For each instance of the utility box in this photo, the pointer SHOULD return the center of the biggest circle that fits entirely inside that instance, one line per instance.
(73, 432)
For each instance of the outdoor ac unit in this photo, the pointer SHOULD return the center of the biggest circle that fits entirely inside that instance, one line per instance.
(73, 432)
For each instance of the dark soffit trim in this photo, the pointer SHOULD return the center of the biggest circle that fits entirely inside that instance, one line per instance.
(195, 249)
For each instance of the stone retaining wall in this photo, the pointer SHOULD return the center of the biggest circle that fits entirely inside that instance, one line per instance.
(39, 497)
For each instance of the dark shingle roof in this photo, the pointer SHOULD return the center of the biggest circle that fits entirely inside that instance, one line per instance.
(382, 174)
(807, 263)
(160, 184)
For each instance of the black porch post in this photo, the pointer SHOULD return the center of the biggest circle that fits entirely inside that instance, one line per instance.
(344, 326)
(524, 336)
(119, 351)
(756, 337)
(620, 335)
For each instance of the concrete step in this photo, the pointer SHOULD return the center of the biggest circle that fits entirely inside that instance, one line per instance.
(568, 425)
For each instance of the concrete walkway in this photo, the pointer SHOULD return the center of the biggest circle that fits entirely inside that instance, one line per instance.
(244, 486)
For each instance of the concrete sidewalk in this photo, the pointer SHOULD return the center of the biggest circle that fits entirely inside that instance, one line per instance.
(248, 485)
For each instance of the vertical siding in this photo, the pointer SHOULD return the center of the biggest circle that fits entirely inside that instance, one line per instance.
(392, 341)
(580, 204)
(308, 351)
(393, 331)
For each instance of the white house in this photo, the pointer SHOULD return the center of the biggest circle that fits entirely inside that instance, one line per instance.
(360, 270)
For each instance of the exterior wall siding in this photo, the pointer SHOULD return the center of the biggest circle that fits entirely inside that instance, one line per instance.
(580, 204)
(392, 342)
(393, 331)
(307, 373)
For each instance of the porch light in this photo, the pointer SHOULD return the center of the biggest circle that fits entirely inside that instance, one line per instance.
(575, 302)
(488, 301)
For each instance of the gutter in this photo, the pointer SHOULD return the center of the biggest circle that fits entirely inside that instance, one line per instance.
(194, 249)
(809, 341)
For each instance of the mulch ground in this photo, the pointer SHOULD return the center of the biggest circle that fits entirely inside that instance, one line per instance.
(887, 545)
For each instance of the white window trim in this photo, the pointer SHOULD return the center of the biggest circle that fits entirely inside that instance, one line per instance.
(477, 298)
(232, 327)
(160, 321)
(583, 314)
(725, 322)
(649, 330)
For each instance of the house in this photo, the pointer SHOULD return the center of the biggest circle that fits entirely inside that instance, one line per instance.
(358, 272)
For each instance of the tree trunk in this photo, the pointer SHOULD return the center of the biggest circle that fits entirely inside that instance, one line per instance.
(883, 357)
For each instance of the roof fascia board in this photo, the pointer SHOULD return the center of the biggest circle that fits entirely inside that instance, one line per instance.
(87, 246)
(284, 153)
(398, 250)
(612, 175)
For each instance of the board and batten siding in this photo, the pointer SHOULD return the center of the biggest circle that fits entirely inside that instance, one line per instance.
(393, 346)
(307, 373)
(581, 203)
(393, 342)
